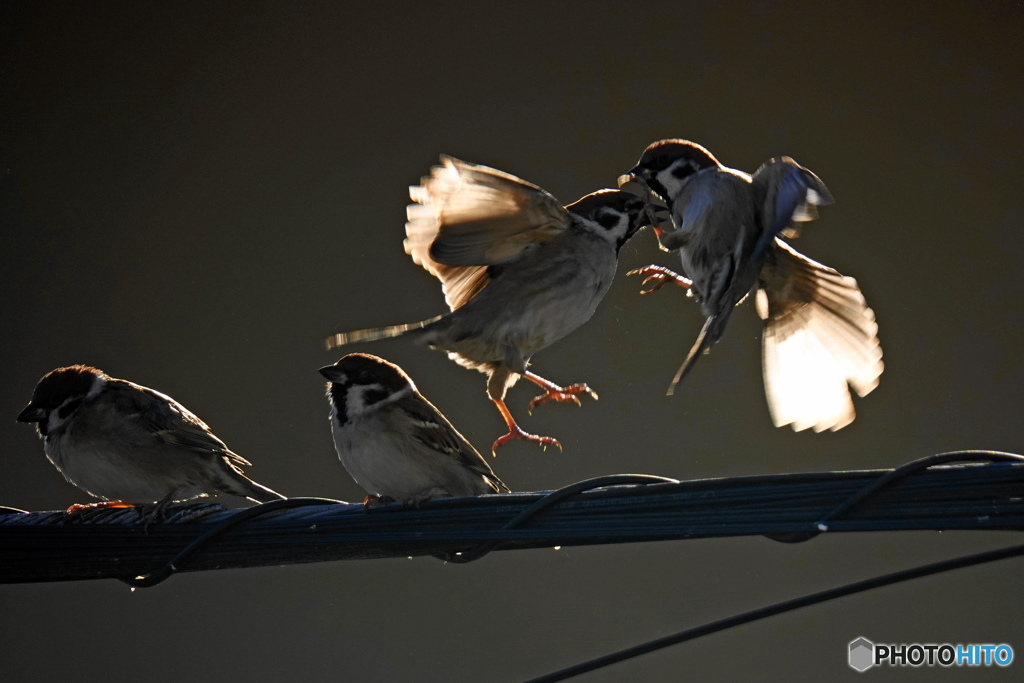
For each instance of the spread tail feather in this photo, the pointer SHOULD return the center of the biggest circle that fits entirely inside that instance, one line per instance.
(375, 333)
(703, 342)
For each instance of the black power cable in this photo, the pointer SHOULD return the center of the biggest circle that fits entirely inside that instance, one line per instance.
(779, 608)
(175, 564)
(567, 492)
(548, 501)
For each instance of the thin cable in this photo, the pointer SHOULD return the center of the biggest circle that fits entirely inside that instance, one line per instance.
(779, 608)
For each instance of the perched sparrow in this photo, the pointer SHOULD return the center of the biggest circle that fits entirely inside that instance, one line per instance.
(394, 442)
(518, 271)
(819, 333)
(128, 444)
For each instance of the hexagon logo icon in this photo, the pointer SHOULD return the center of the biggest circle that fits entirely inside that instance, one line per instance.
(862, 654)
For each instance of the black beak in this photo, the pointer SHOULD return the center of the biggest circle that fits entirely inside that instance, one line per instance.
(32, 413)
(333, 373)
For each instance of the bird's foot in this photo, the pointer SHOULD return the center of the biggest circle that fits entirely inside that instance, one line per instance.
(515, 432)
(569, 394)
(373, 500)
(658, 277)
(77, 507)
(553, 392)
(81, 511)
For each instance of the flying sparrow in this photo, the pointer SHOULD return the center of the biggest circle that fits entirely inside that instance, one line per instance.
(393, 441)
(819, 335)
(130, 445)
(518, 270)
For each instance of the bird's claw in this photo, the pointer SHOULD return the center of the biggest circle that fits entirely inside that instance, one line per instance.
(373, 500)
(81, 510)
(79, 507)
(569, 394)
(660, 276)
(517, 433)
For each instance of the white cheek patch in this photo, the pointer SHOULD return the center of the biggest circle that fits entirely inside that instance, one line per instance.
(355, 399)
(360, 398)
(620, 229)
(671, 183)
(55, 421)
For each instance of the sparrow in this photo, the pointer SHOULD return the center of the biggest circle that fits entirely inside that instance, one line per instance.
(394, 442)
(820, 337)
(129, 445)
(518, 270)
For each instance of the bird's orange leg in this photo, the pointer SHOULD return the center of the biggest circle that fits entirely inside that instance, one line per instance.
(660, 276)
(81, 511)
(373, 500)
(553, 392)
(515, 432)
(78, 507)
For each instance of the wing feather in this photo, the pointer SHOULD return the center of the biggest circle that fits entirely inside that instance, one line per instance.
(466, 218)
(432, 429)
(171, 422)
(792, 194)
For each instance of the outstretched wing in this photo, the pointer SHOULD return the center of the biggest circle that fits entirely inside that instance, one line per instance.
(792, 194)
(466, 218)
(820, 338)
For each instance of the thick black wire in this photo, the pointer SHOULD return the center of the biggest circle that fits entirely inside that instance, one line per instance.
(887, 480)
(779, 608)
(548, 501)
(901, 472)
(176, 563)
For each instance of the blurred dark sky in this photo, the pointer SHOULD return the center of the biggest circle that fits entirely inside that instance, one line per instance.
(193, 195)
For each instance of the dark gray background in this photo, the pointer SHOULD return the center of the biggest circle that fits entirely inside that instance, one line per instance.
(193, 196)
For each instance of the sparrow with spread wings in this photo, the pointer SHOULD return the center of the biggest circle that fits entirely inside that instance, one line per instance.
(820, 337)
(518, 270)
